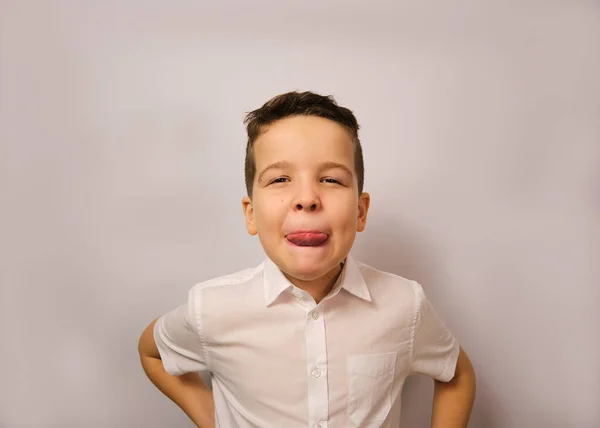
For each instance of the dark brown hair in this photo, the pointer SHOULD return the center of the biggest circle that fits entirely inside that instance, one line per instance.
(294, 104)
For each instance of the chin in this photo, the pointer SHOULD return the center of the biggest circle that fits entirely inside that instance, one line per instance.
(306, 276)
(308, 270)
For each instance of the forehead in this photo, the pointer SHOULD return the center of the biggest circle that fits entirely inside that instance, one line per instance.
(304, 139)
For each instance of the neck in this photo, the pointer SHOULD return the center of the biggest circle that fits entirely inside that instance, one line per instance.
(320, 287)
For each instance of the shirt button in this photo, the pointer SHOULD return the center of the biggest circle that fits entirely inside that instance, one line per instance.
(316, 372)
(314, 315)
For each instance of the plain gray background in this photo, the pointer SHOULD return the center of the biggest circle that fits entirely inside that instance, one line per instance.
(122, 174)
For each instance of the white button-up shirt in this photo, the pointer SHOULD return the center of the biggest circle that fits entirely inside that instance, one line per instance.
(278, 359)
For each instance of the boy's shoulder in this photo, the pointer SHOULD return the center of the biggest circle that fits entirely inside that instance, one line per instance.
(233, 278)
(234, 292)
(380, 279)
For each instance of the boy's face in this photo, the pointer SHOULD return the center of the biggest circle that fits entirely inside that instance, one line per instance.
(305, 205)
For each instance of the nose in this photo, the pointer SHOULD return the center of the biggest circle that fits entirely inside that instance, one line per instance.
(307, 199)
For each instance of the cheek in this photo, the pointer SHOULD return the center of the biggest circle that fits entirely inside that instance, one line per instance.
(346, 220)
(270, 214)
(347, 209)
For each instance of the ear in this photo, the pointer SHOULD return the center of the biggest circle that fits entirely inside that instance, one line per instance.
(249, 214)
(364, 201)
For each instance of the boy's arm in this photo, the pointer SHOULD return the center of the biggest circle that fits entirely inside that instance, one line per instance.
(453, 400)
(188, 391)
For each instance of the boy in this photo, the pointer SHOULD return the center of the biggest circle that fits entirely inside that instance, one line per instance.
(309, 338)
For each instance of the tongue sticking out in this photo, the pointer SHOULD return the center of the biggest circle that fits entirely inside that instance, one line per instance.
(307, 239)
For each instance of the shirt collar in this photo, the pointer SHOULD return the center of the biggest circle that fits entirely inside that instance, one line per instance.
(351, 280)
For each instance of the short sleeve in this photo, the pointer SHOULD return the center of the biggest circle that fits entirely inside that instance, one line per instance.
(435, 349)
(179, 339)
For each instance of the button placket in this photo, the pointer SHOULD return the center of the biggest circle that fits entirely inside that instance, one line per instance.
(316, 354)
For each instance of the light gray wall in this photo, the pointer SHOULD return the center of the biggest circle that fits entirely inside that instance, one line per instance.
(122, 174)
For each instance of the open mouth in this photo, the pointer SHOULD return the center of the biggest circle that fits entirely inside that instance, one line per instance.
(307, 239)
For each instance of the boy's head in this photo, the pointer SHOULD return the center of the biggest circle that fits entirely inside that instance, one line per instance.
(304, 178)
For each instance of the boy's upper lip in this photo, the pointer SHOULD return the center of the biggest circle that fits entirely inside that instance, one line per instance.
(306, 231)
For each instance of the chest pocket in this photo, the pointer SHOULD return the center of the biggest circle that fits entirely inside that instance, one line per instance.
(370, 381)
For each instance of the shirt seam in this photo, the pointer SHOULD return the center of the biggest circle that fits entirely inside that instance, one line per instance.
(415, 321)
(197, 305)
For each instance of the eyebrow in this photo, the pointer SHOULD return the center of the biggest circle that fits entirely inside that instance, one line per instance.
(276, 165)
(333, 165)
(322, 166)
